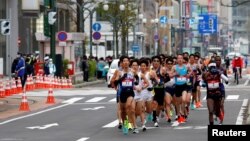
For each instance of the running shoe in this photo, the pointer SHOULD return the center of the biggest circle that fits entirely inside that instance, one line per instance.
(120, 126)
(135, 131)
(192, 106)
(156, 124)
(144, 128)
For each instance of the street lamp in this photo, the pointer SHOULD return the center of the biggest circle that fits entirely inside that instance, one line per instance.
(114, 21)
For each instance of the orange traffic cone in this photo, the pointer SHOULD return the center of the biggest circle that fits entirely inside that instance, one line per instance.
(50, 98)
(70, 83)
(13, 86)
(7, 89)
(24, 106)
(2, 92)
(19, 86)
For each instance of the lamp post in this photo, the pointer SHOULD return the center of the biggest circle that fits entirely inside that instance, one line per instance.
(114, 22)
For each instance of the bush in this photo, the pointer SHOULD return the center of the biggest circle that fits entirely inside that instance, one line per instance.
(92, 68)
(65, 68)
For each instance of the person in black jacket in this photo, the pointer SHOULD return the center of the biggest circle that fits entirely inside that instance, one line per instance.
(85, 68)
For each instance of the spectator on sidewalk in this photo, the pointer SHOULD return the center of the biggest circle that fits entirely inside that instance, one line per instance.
(52, 68)
(100, 68)
(46, 65)
(246, 61)
(85, 68)
(20, 69)
(227, 62)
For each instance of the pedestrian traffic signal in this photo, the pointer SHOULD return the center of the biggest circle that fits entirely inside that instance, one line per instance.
(52, 18)
(211, 23)
(183, 22)
(5, 27)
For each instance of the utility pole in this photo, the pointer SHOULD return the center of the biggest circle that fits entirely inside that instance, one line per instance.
(53, 33)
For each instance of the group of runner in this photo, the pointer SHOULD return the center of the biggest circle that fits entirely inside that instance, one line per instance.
(149, 87)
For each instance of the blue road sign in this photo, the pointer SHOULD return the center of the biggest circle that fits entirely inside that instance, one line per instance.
(97, 35)
(62, 36)
(135, 48)
(205, 21)
(163, 20)
(156, 37)
(96, 26)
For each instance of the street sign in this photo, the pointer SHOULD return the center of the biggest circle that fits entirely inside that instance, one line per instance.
(163, 20)
(207, 23)
(156, 37)
(165, 39)
(96, 26)
(173, 21)
(62, 36)
(97, 35)
(135, 48)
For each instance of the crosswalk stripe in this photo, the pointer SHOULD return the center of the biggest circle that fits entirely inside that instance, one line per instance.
(73, 100)
(112, 100)
(83, 139)
(96, 99)
(232, 97)
(111, 124)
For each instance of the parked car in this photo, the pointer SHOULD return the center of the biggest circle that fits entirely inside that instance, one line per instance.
(113, 67)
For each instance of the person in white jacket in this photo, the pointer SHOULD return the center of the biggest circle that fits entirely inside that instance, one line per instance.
(52, 68)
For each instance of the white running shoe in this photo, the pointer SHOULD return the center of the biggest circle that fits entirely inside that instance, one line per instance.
(135, 131)
(144, 128)
(156, 124)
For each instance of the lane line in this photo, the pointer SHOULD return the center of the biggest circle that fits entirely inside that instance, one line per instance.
(40, 112)
(232, 97)
(239, 120)
(83, 139)
(184, 127)
(37, 113)
(200, 127)
(111, 124)
(95, 99)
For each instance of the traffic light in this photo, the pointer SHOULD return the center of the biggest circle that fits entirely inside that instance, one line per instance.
(52, 18)
(5, 27)
(211, 23)
(183, 22)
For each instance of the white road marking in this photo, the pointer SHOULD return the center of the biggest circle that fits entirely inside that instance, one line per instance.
(246, 82)
(175, 123)
(73, 100)
(184, 127)
(112, 100)
(205, 98)
(44, 126)
(239, 120)
(83, 139)
(96, 99)
(203, 108)
(232, 97)
(111, 124)
(30, 115)
(200, 127)
(93, 109)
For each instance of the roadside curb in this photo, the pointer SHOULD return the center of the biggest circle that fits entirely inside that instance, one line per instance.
(89, 83)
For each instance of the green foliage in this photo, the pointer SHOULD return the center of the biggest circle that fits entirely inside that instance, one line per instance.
(92, 68)
(65, 68)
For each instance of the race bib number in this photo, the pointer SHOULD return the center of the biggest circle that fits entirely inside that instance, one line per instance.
(181, 79)
(127, 83)
(213, 85)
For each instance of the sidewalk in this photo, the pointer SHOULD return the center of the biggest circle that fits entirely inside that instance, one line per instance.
(9, 106)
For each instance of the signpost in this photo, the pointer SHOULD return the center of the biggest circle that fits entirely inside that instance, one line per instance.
(62, 36)
(96, 26)
(97, 35)
(207, 23)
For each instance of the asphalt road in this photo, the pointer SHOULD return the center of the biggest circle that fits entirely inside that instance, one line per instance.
(90, 114)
